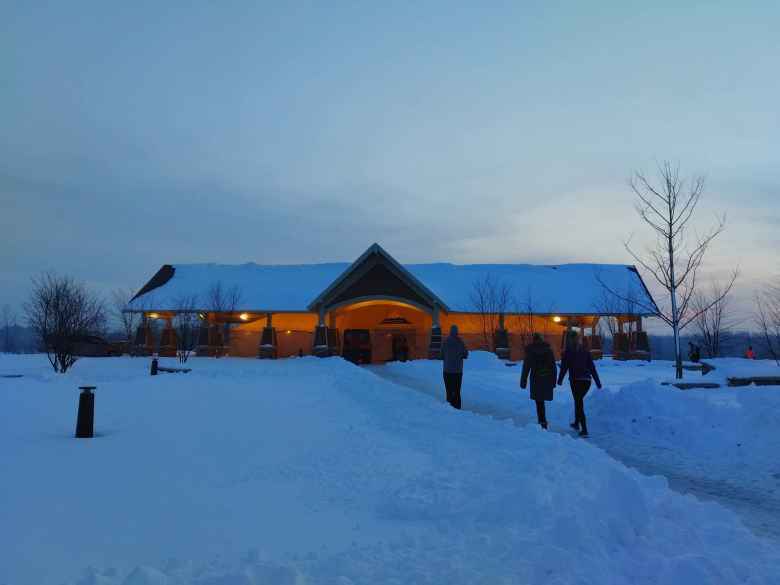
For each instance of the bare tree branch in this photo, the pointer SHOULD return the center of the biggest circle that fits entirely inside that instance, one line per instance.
(186, 323)
(128, 321)
(667, 205)
(768, 319)
(710, 316)
(61, 311)
(490, 299)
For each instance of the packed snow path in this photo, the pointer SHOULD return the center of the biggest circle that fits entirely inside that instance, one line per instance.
(706, 443)
(314, 472)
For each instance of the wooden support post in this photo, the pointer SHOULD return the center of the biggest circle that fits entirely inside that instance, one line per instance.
(268, 342)
(501, 339)
(320, 347)
(434, 346)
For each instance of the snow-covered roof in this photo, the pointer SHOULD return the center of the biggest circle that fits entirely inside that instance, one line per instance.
(262, 287)
(562, 289)
(556, 289)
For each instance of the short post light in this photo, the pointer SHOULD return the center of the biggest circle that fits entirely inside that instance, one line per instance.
(85, 421)
(155, 365)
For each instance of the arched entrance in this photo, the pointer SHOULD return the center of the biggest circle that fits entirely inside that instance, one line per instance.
(381, 330)
(379, 311)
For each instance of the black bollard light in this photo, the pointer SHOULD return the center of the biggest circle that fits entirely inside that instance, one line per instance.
(85, 422)
(154, 366)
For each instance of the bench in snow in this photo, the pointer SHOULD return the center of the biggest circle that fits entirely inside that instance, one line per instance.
(691, 385)
(702, 367)
(174, 370)
(757, 380)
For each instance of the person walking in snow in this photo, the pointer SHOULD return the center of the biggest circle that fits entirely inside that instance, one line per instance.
(539, 363)
(578, 362)
(750, 354)
(453, 352)
(694, 352)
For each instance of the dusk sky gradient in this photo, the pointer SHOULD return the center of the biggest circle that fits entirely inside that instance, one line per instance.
(141, 133)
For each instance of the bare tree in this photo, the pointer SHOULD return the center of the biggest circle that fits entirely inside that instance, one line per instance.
(524, 318)
(8, 320)
(490, 299)
(612, 306)
(712, 320)
(60, 312)
(128, 321)
(222, 300)
(186, 324)
(768, 319)
(667, 206)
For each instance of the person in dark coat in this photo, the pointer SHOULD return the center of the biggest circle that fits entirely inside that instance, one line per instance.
(539, 362)
(694, 352)
(453, 352)
(578, 362)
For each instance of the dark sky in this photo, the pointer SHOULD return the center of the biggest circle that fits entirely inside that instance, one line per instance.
(141, 133)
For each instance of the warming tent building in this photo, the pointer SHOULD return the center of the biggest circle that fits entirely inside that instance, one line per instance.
(377, 309)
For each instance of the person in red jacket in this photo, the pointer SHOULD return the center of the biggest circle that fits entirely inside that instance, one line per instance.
(750, 354)
(578, 362)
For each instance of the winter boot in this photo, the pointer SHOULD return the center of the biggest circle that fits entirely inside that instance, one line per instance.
(575, 425)
(544, 425)
(584, 433)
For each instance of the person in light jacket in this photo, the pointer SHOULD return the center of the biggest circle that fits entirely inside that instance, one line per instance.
(453, 352)
(578, 362)
(539, 363)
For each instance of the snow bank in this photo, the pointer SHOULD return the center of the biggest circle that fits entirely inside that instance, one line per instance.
(717, 444)
(316, 471)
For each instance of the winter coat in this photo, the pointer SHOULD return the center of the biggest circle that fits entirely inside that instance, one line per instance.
(539, 362)
(453, 352)
(579, 364)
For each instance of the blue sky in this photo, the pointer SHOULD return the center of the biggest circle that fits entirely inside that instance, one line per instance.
(137, 134)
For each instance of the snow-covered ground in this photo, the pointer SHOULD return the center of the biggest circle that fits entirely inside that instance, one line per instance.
(313, 471)
(718, 444)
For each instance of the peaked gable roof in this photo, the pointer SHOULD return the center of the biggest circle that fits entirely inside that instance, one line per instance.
(402, 273)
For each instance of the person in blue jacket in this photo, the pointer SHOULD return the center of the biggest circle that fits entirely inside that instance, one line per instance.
(578, 362)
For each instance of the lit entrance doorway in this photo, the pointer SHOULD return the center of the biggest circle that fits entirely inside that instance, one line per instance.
(380, 331)
(357, 346)
(400, 342)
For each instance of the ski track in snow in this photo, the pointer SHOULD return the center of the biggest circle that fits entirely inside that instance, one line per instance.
(756, 499)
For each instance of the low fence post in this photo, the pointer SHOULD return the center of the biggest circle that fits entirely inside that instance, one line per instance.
(85, 421)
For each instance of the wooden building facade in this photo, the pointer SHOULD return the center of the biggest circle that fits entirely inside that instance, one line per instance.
(376, 310)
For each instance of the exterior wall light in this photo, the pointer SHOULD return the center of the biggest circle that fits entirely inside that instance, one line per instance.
(244, 316)
(557, 319)
(153, 315)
